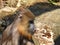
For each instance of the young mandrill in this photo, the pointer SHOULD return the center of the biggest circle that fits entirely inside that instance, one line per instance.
(20, 27)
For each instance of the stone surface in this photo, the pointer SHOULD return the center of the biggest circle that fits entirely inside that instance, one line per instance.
(51, 19)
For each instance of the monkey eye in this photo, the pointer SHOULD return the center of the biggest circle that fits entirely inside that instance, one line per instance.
(20, 16)
(31, 21)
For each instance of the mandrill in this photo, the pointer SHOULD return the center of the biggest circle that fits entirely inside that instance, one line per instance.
(19, 27)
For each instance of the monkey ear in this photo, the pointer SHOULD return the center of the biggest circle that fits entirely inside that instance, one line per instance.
(27, 12)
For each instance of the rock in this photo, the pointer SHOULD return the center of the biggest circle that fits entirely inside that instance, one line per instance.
(50, 18)
(49, 22)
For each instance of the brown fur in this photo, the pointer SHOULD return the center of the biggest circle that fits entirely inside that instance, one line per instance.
(18, 28)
